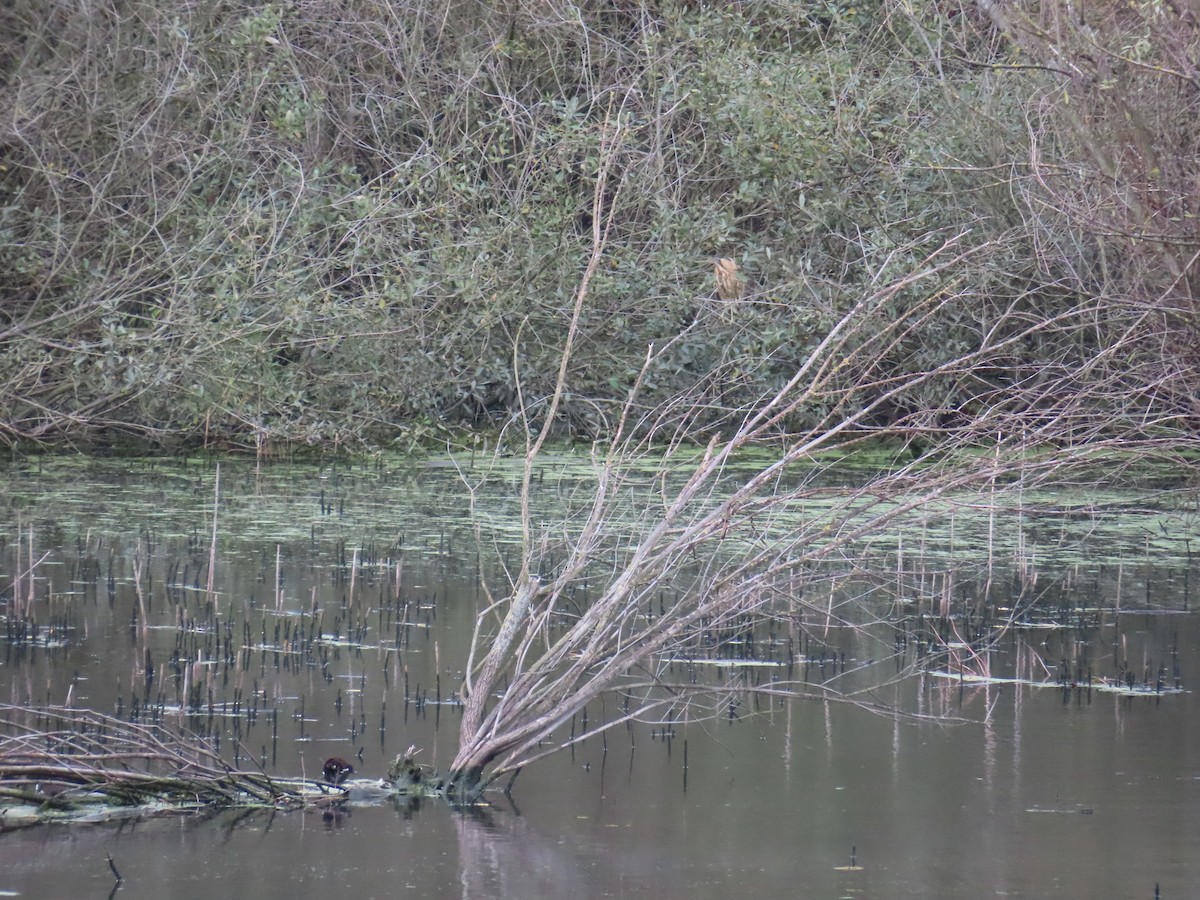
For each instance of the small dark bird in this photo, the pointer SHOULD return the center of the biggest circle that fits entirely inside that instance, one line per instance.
(336, 770)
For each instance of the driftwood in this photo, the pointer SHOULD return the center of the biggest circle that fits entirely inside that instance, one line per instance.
(63, 764)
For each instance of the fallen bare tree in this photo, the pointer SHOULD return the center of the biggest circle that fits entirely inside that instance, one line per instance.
(716, 547)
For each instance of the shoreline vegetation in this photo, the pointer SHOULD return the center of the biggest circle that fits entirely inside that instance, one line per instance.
(297, 226)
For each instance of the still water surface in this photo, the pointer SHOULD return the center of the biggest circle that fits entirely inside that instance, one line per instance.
(1041, 793)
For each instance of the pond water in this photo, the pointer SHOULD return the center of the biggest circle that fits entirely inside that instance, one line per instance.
(341, 600)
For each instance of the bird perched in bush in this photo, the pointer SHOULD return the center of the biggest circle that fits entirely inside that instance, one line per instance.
(336, 770)
(729, 283)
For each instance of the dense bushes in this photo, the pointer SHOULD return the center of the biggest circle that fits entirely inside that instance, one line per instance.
(311, 222)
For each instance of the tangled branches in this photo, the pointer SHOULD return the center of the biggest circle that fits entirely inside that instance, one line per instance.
(63, 763)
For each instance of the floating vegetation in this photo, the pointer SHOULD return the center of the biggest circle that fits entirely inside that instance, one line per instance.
(732, 663)
(26, 633)
(1127, 688)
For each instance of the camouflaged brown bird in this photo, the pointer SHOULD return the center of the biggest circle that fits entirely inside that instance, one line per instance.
(729, 283)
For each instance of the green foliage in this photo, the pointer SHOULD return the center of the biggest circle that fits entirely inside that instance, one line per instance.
(306, 222)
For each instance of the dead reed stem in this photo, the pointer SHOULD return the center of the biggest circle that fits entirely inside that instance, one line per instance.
(209, 592)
